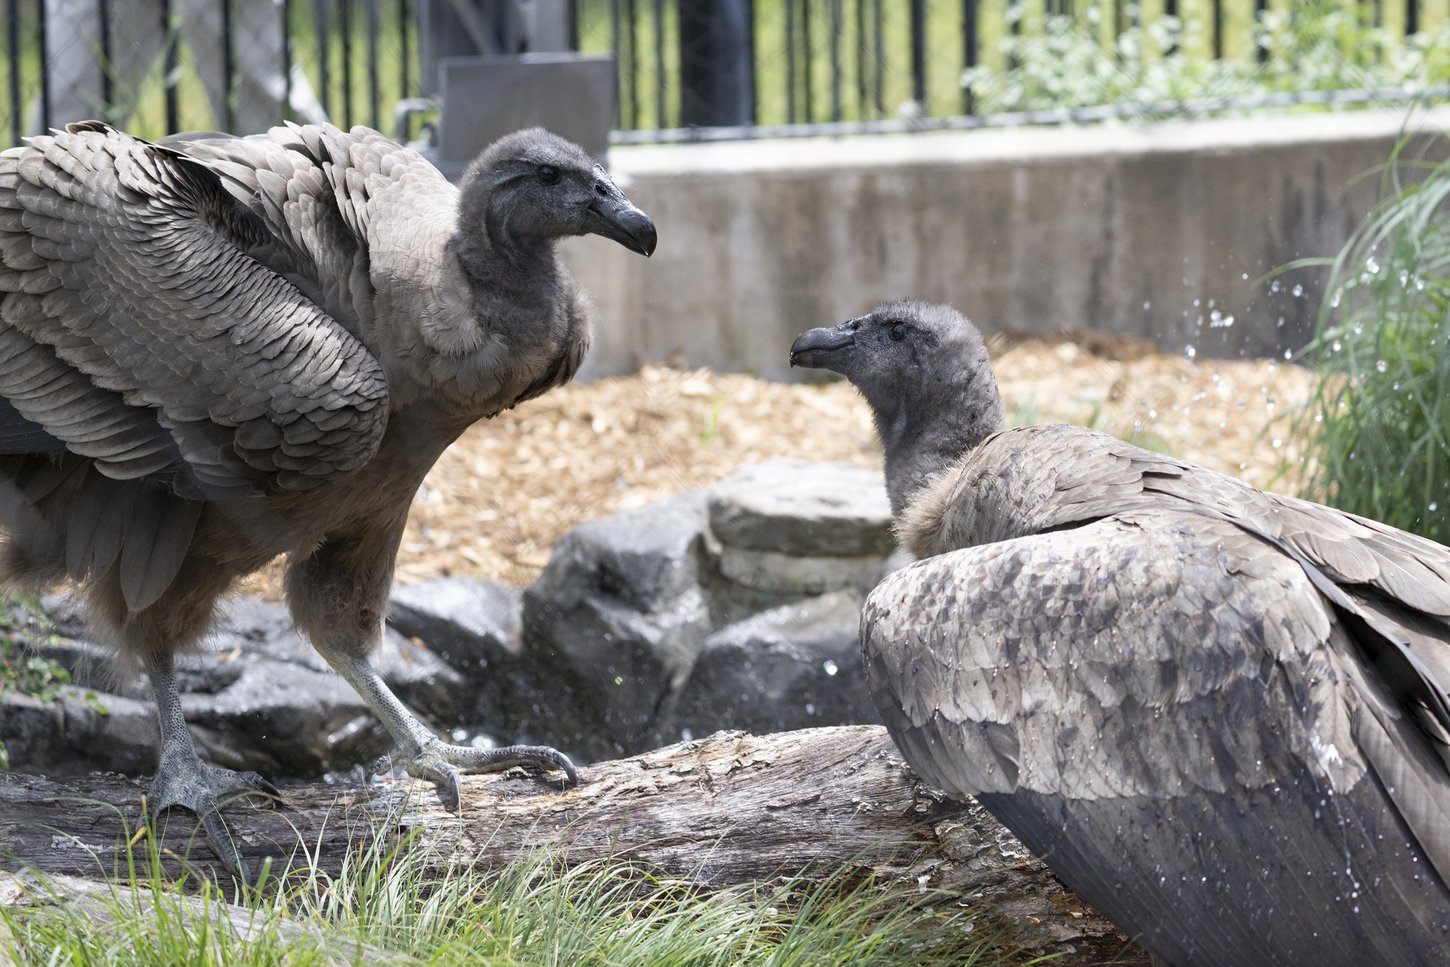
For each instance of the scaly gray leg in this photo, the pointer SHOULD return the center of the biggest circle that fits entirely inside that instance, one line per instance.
(426, 756)
(182, 779)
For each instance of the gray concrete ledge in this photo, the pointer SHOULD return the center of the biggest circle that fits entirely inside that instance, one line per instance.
(1163, 230)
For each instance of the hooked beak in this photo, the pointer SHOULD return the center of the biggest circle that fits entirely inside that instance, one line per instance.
(614, 216)
(820, 348)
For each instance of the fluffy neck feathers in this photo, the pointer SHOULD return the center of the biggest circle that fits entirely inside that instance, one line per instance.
(928, 426)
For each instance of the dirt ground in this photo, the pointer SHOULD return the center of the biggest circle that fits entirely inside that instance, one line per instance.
(500, 497)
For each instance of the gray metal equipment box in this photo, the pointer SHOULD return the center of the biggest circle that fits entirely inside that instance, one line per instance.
(487, 97)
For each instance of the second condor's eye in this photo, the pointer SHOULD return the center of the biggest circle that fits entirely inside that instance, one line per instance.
(548, 174)
(898, 332)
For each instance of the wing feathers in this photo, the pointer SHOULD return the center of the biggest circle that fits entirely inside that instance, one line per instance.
(132, 329)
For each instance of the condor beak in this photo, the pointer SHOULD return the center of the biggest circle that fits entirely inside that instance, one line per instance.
(821, 348)
(614, 216)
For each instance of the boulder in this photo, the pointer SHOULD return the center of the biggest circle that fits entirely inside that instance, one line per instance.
(255, 695)
(732, 608)
(614, 623)
(805, 509)
(793, 527)
(792, 667)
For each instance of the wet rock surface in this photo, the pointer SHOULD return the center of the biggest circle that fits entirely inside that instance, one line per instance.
(642, 629)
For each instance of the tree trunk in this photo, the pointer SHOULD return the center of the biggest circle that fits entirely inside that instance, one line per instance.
(729, 808)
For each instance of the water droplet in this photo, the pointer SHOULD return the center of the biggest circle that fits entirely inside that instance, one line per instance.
(1381, 366)
(1190, 351)
(830, 667)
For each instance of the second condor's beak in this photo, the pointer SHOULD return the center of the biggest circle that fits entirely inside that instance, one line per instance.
(818, 348)
(614, 216)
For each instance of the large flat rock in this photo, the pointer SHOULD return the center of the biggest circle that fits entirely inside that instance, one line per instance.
(803, 509)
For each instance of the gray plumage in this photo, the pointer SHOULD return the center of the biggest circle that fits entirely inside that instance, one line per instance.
(1219, 714)
(216, 350)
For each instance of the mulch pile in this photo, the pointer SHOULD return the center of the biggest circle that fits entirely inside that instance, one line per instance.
(504, 493)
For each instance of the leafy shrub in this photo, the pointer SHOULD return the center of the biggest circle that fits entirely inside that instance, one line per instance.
(1059, 61)
(1379, 424)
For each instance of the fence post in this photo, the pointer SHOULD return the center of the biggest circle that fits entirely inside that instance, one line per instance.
(717, 78)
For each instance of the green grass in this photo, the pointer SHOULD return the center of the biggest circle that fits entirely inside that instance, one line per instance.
(1379, 423)
(391, 904)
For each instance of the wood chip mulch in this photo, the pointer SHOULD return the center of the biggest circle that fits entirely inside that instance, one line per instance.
(504, 493)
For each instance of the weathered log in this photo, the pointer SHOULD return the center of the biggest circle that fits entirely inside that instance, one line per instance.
(726, 809)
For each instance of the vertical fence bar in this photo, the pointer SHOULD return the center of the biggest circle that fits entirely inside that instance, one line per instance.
(170, 61)
(835, 53)
(631, 11)
(324, 72)
(1261, 43)
(659, 53)
(285, 11)
(750, 60)
(344, 28)
(12, 39)
(229, 68)
(878, 54)
(405, 16)
(970, 10)
(103, 10)
(790, 84)
(918, 54)
(1412, 17)
(1218, 29)
(862, 79)
(42, 40)
(615, 42)
(808, 108)
(374, 94)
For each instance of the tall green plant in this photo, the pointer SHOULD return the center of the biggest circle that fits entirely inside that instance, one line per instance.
(1380, 420)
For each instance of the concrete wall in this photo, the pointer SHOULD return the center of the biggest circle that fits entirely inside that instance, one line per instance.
(1145, 230)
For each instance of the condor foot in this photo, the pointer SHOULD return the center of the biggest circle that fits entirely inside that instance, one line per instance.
(186, 782)
(441, 764)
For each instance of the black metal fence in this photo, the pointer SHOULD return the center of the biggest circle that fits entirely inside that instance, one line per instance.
(744, 66)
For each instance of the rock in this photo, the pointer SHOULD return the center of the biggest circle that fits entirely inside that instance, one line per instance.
(794, 574)
(79, 732)
(284, 719)
(256, 696)
(470, 623)
(615, 621)
(476, 627)
(803, 509)
(735, 608)
(797, 666)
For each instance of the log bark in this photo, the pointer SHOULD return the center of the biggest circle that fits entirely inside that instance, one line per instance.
(726, 809)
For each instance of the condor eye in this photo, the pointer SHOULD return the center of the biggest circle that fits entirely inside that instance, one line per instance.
(898, 332)
(548, 174)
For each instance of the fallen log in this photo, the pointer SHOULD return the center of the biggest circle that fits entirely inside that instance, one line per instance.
(727, 809)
